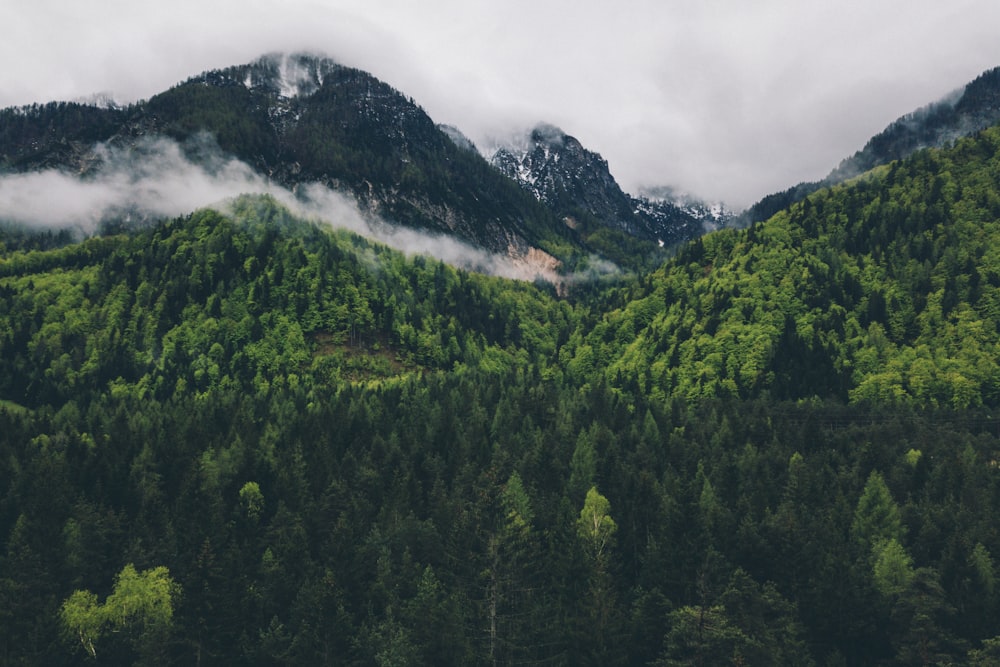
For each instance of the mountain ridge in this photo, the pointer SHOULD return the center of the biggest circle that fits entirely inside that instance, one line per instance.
(299, 119)
(971, 108)
(302, 118)
(558, 170)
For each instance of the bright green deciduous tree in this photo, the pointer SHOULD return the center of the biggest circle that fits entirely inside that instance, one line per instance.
(595, 526)
(84, 618)
(251, 500)
(596, 530)
(141, 603)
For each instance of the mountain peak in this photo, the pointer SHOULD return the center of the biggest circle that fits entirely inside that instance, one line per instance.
(546, 133)
(551, 164)
(285, 75)
(289, 74)
(970, 109)
(577, 183)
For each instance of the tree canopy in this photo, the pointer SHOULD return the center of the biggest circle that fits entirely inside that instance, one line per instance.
(237, 437)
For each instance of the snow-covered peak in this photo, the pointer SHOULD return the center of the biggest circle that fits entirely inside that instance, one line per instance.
(546, 133)
(103, 100)
(714, 215)
(458, 138)
(289, 74)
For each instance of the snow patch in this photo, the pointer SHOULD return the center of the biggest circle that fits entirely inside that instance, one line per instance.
(103, 100)
(291, 76)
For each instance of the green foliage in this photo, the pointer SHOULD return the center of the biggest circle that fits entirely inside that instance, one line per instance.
(749, 624)
(982, 565)
(595, 526)
(517, 506)
(987, 655)
(876, 518)
(141, 598)
(343, 454)
(141, 604)
(251, 500)
(875, 291)
(922, 614)
(84, 619)
(893, 569)
(257, 300)
(583, 465)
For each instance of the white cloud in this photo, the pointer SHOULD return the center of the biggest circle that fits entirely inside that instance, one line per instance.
(153, 179)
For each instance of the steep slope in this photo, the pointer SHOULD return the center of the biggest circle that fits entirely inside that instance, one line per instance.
(969, 110)
(241, 299)
(712, 215)
(301, 119)
(54, 135)
(577, 184)
(885, 288)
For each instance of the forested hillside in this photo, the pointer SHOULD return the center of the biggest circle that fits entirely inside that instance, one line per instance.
(881, 290)
(240, 437)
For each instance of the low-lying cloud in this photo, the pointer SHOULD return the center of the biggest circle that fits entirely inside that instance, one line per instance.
(153, 178)
(156, 179)
(317, 201)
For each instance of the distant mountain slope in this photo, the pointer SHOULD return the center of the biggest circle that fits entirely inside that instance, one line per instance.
(53, 135)
(578, 185)
(301, 119)
(883, 289)
(969, 110)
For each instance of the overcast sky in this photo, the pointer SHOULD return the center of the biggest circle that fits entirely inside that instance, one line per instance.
(727, 99)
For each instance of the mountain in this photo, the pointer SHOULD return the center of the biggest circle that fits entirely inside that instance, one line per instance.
(277, 443)
(968, 110)
(300, 119)
(577, 184)
(458, 138)
(878, 290)
(712, 215)
(239, 437)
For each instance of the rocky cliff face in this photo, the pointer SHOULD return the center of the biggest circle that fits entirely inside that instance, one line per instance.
(559, 171)
(577, 183)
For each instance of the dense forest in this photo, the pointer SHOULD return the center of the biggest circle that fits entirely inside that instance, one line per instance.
(240, 437)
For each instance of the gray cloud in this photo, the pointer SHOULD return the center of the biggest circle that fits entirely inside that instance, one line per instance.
(722, 98)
